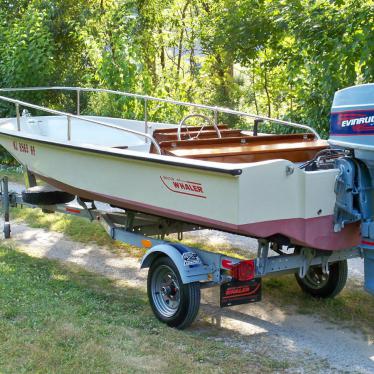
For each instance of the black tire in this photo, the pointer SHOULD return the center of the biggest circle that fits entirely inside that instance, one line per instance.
(6, 230)
(185, 311)
(320, 285)
(46, 195)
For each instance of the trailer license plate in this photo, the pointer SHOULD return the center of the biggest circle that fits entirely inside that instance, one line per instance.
(235, 293)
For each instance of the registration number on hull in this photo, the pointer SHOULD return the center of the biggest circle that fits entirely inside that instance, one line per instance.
(24, 148)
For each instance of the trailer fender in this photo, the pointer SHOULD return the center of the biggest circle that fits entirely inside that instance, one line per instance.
(187, 261)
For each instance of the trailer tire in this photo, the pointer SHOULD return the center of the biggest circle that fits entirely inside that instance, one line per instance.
(46, 195)
(320, 285)
(6, 230)
(172, 302)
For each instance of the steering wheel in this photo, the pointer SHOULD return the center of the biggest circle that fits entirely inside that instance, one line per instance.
(207, 119)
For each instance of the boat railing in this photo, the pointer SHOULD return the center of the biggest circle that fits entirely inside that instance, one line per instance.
(70, 116)
(146, 99)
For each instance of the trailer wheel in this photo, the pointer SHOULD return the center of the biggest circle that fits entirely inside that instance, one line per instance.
(46, 195)
(320, 285)
(172, 302)
(6, 230)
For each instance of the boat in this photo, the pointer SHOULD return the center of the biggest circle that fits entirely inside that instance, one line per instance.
(309, 200)
(244, 182)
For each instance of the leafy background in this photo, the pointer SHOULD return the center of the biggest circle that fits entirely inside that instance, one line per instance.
(282, 58)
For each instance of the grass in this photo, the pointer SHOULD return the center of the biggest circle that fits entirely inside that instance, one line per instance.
(76, 228)
(352, 308)
(57, 318)
(84, 231)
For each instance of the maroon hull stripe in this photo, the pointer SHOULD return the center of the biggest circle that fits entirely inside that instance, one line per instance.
(314, 232)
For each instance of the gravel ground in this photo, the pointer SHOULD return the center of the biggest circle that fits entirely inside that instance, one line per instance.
(309, 343)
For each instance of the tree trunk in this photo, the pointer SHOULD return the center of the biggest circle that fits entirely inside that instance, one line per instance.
(181, 35)
(254, 90)
(162, 52)
(267, 92)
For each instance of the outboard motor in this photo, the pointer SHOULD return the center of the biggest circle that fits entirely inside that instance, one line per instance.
(352, 129)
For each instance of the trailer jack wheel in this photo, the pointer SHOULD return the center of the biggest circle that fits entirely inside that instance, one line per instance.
(172, 302)
(320, 285)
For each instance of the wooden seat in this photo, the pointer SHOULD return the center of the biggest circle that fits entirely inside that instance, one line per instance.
(236, 147)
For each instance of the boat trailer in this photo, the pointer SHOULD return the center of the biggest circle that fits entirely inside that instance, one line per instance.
(177, 272)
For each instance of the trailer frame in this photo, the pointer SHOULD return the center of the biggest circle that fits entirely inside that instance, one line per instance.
(192, 266)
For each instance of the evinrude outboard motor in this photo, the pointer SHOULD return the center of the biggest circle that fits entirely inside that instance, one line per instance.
(352, 129)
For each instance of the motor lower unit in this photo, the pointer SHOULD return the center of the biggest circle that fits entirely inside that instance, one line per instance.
(352, 129)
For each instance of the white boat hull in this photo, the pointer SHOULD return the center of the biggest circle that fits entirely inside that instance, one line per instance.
(260, 199)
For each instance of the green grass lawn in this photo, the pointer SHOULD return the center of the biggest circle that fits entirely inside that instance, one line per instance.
(56, 318)
(353, 308)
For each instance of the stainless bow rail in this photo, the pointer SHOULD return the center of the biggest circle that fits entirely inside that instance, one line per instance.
(69, 116)
(146, 98)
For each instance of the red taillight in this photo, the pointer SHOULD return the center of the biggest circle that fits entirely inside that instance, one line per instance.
(244, 270)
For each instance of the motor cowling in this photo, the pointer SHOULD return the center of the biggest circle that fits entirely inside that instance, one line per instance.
(352, 129)
(352, 118)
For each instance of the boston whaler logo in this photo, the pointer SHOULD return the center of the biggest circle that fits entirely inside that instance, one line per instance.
(183, 187)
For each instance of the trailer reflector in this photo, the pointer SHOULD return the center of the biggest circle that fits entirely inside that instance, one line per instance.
(72, 210)
(146, 243)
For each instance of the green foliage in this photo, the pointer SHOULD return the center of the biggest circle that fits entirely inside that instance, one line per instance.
(278, 58)
(26, 50)
(6, 158)
(331, 49)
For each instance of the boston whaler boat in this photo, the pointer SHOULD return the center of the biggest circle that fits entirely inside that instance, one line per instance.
(307, 199)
